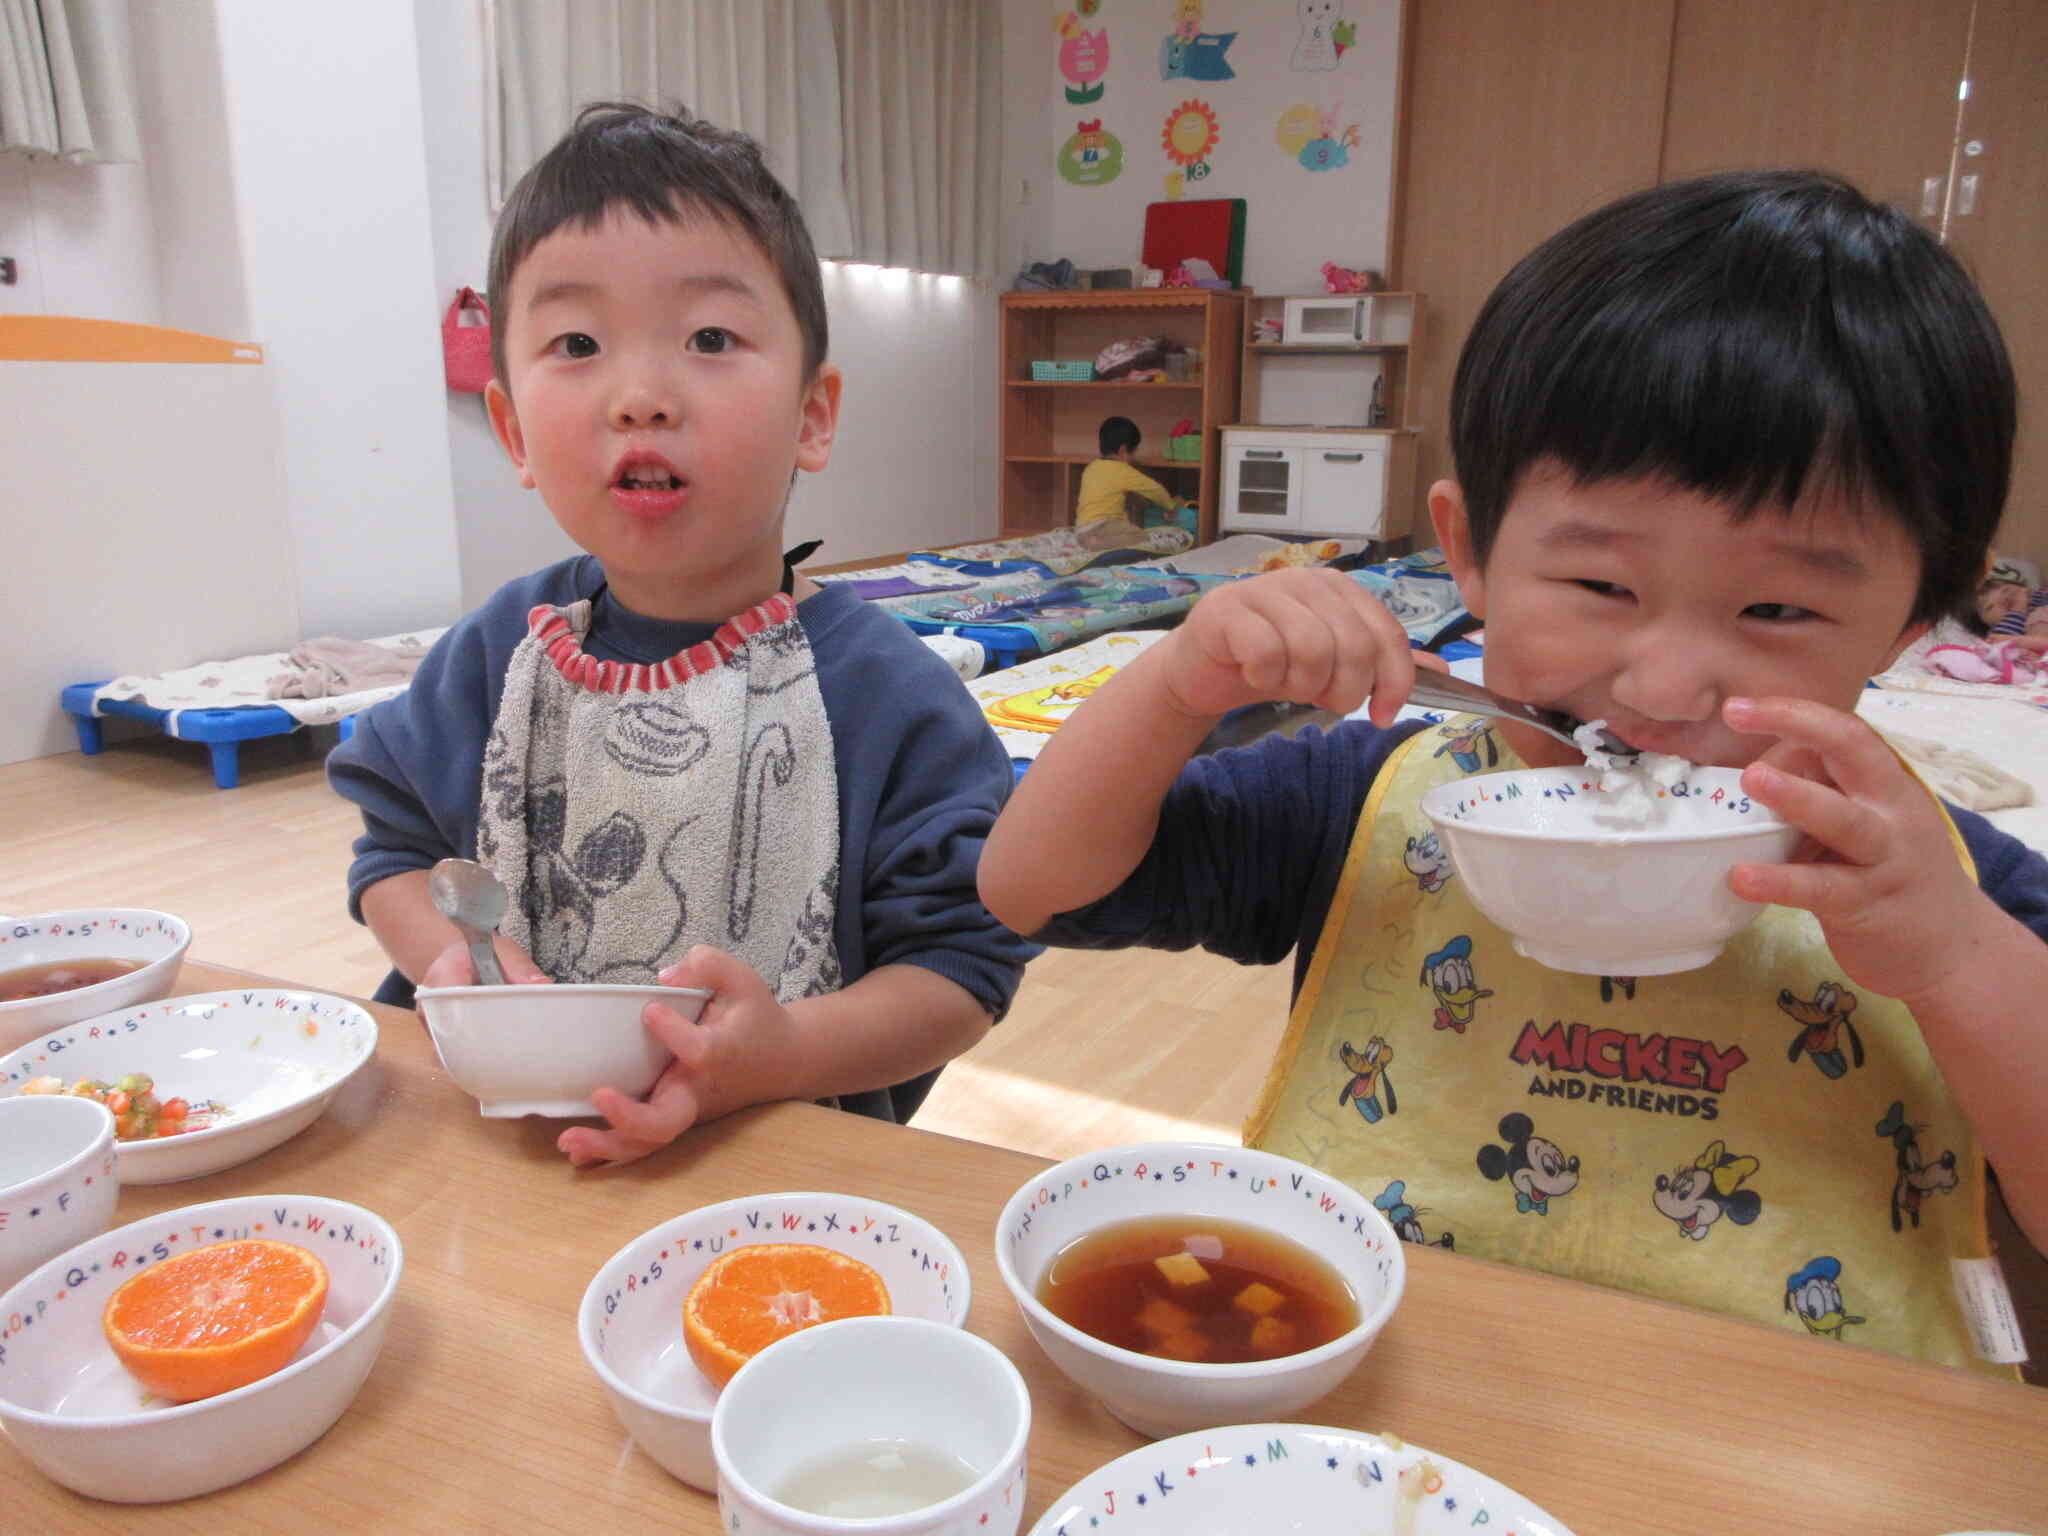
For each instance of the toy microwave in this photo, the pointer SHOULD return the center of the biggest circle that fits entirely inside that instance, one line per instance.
(1335, 318)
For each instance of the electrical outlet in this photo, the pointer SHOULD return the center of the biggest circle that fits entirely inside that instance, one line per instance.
(9, 276)
(1024, 192)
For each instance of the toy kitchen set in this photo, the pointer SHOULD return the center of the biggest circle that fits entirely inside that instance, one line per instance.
(1326, 447)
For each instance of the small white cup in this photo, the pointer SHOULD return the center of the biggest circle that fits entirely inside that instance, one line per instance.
(58, 1182)
(816, 1394)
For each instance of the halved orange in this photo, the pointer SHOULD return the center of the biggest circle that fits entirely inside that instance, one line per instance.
(751, 1297)
(217, 1317)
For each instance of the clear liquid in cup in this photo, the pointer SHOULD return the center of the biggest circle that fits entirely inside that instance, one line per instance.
(870, 1478)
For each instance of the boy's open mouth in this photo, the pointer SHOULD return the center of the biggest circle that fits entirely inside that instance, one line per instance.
(647, 472)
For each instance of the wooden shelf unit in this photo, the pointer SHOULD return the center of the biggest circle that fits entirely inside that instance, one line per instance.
(1049, 428)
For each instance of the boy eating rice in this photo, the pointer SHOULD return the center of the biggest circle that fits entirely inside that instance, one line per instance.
(684, 761)
(1723, 448)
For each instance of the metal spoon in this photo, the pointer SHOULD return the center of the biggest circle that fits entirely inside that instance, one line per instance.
(1432, 690)
(1447, 690)
(471, 898)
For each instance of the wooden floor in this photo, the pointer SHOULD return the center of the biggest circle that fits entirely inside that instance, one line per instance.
(1100, 1049)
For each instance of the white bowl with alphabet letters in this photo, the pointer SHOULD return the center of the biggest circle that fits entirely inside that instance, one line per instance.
(1157, 1396)
(72, 1409)
(631, 1320)
(1626, 883)
(58, 1183)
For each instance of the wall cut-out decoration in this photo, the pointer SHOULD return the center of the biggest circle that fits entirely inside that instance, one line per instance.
(1296, 127)
(1084, 59)
(1314, 139)
(1317, 47)
(1188, 135)
(1189, 53)
(1092, 155)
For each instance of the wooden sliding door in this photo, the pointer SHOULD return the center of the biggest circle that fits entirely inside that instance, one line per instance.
(1519, 116)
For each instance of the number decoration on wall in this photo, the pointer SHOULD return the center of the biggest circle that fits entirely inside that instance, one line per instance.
(1084, 58)
(1189, 53)
(1312, 136)
(1188, 136)
(1324, 35)
(1092, 155)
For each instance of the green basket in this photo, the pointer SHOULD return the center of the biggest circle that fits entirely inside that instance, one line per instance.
(1187, 447)
(1063, 372)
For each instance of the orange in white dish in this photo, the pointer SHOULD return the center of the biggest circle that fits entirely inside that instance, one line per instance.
(751, 1297)
(216, 1317)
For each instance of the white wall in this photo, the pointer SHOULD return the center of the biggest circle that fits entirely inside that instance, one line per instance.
(1296, 219)
(81, 237)
(183, 110)
(325, 126)
(314, 182)
(178, 558)
(915, 462)
(282, 200)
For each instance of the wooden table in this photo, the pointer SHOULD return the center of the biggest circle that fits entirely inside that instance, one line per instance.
(1617, 1414)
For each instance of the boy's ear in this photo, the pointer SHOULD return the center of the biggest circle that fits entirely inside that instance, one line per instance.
(820, 422)
(1454, 536)
(505, 423)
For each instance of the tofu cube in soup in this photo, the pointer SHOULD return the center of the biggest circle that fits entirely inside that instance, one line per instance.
(1182, 1269)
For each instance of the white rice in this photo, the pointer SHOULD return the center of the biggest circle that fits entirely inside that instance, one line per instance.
(1628, 781)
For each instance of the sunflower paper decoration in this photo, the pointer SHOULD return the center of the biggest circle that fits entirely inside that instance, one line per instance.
(1189, 134)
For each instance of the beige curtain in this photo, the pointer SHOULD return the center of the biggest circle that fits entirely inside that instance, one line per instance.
(767, 67)
(66, 85)
(882, 116)
(923, 131)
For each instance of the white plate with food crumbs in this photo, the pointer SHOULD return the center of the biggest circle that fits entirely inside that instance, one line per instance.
(202, 1082)
(1288, 1478)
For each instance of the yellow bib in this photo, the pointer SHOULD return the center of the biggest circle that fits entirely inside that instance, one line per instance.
(1754, 1137)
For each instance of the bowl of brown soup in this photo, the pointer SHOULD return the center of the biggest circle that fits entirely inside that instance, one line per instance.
(1188, 1285)
(59, 967)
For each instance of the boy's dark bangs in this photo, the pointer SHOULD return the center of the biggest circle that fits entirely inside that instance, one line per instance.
(1758, 338)
(621, 157)
(1714, 399)
(581, 183)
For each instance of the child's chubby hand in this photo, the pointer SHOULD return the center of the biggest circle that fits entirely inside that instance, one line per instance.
(453, 967)
(1307, 635)
(1877, 867)
(727, 1058)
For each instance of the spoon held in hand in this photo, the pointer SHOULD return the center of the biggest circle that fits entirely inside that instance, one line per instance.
(471, 898)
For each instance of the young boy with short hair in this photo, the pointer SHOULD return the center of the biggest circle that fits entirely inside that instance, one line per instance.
(1723, 449)
(685, 762)
(1102, 507)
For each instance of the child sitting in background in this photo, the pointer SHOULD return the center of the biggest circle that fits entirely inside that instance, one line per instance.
(1103, 514)
(684, 762)
(1724, 448)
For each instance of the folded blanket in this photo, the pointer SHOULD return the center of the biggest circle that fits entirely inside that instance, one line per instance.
(1962, 777)
(328, 665)
(243, 682)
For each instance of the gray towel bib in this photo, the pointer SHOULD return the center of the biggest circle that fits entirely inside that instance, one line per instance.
(633, 811)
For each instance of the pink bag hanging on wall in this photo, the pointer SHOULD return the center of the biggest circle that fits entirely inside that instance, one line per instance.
(466, 343)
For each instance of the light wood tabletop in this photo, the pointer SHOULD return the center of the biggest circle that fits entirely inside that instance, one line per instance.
(1616, 1413)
